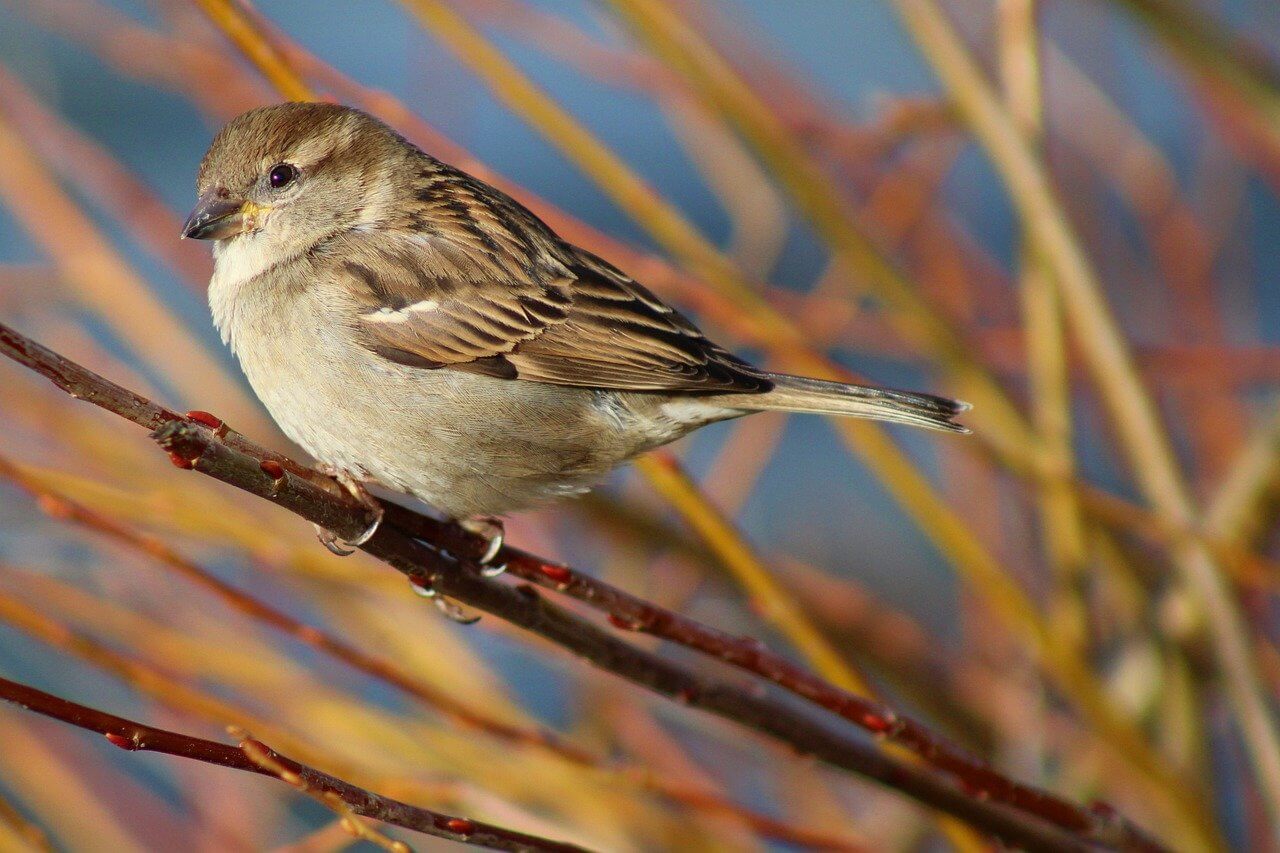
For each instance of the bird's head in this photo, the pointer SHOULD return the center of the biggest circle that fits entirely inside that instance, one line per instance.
(290, 175)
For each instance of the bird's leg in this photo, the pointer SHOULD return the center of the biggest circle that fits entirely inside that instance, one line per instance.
(492, 531)
(356, 489)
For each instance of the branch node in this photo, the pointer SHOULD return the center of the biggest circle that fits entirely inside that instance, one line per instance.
(129, 744)
(213, 422)
(180, 441)
(272, 469)
(460, 825)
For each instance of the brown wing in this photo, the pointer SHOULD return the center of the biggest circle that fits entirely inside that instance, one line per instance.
(618, 335)
(495, 292)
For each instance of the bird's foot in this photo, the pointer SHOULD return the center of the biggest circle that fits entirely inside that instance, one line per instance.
(492, 531)
(330, 540)
(451, 609)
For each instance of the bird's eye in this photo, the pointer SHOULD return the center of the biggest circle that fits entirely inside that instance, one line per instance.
(281, 175)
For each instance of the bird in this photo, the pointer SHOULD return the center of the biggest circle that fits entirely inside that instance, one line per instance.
(414, 328)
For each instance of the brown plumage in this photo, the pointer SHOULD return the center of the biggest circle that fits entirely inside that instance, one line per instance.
(411, 325)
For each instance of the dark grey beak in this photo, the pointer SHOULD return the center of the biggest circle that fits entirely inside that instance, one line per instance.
(214, 218)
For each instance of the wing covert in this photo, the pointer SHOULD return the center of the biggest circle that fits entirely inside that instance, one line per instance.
(492, 290)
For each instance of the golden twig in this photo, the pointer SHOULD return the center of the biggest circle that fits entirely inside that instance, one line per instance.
(229, 18)
(1132, 410)
(774, 603)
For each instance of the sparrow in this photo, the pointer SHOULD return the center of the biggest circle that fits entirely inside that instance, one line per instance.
(412, 327)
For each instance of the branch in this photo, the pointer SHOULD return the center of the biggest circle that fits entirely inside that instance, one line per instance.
(423, 549)
(1142, 435)
(690, 796)
(132, 736)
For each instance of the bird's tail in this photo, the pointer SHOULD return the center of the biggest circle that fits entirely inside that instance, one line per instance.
(798, 394)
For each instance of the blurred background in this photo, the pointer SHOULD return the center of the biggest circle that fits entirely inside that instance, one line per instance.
(1064, 212)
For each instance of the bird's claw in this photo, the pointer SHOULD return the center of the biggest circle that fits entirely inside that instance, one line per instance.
(329, 539)
(492, 571)
(451, 609)
(492, 531)
(333, 542)
(346, 547)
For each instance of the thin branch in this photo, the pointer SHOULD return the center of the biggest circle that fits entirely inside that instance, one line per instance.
(207, 445)
(261, 755)
(771, 599)
(694, 797)
(132, 736)
(1106, 352)
(28, 834)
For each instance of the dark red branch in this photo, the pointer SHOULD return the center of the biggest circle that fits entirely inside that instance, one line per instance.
(428, 552)
(132, 736)
(691, 796)
(628, 612)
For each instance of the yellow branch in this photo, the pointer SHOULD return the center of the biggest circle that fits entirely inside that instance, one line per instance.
(1062, 524)
(774, 603)
(227, 16)
(1107, 355)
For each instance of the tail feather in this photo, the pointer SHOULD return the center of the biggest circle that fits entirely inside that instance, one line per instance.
(799, 394)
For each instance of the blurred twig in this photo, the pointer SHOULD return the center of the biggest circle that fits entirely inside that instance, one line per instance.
(260, 51)
(1226, 66)
(1238, 512)
(772, 601)
(1183, 245)
(61, 507)
(132, 736)
(26, 832)
(1047, 357)
(89, 264)
(1101, 342)
(83, 162)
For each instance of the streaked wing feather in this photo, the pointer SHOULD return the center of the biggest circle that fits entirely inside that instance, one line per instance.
(524, 305)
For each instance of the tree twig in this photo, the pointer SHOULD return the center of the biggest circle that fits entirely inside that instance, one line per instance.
(691, 796)
(132, 736)
(1106, 352)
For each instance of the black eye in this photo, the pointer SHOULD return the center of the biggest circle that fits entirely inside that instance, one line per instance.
(281, 175)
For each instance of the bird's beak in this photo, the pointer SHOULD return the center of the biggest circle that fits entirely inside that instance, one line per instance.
(215, 217)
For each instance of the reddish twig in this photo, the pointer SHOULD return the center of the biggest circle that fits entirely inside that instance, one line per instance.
(691, 796)
(628, 612)
(132, 736)
(988, 800)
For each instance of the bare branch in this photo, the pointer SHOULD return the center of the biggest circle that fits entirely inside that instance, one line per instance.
(691, 796)
(132, 736)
